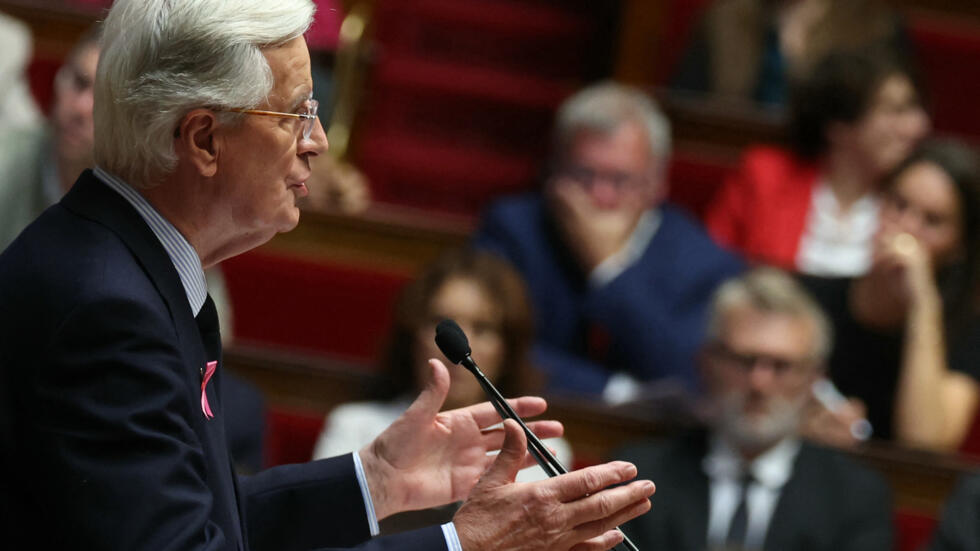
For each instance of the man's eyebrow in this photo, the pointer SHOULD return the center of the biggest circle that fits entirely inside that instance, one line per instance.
(299, 100)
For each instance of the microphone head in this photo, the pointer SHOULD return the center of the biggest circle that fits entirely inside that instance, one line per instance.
(452, 341)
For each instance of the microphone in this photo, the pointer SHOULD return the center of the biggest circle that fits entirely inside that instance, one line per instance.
(456, 347)
(453, 343)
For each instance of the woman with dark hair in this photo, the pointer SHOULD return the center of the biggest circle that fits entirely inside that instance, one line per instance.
(908, 331)
(488, 300)
(814, 208)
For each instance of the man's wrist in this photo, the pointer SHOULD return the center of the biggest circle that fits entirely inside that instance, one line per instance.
(376, 476)
(362, 481)
(452, 538)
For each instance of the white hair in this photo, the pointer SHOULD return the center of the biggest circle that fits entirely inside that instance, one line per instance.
(162, 58)
(606, 106)
(771, 290)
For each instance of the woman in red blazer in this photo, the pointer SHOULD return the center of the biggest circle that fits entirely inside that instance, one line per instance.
(807, 208)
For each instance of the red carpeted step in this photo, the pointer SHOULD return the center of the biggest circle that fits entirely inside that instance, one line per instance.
(497, 127)
(444, 78)
(517, 36)
(461, 98)
(479, 107)
(948, 52)
(443, 176)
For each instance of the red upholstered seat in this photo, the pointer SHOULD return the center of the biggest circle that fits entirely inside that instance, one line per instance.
(912, 530)
(290, 435)
(695, 176)
(325, 307)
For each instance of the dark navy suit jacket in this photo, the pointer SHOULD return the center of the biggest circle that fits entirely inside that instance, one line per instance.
(649, 321)
(829, 503)
(104, 442)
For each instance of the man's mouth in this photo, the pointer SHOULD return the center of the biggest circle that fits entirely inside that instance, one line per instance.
(300, 188)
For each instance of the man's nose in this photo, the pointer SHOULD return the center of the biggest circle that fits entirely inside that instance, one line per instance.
(762, 376)
(317, 144)
(604, 193)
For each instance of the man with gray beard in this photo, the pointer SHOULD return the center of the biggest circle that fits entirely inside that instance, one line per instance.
(749, 481)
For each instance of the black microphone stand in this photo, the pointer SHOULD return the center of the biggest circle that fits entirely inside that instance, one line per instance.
(548, 462)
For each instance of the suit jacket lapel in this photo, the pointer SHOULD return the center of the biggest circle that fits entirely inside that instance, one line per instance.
(695, 531)
(690, 520)
(794, 513)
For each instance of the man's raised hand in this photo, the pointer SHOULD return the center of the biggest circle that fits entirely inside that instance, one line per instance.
(578, 511)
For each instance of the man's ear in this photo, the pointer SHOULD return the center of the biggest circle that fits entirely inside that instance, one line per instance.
(195, 142)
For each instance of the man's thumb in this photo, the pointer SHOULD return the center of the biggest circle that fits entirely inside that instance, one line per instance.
(430, 400)
(511, 457)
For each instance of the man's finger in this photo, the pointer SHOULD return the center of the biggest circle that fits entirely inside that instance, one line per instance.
(608, 503)
(527, 406)
(590, 480)
(430, 400)
(604, 542)
(509, 461)
(590, 529)
(494, 438)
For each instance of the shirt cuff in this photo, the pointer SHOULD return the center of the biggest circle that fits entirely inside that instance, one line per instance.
(372, 518)
(452, 538)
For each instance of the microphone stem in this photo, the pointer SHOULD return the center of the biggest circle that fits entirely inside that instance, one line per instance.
(548, 462)
(541, 453)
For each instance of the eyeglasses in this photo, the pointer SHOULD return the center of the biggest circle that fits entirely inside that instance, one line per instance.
(748, 362)
(307, 119)
(587, 177)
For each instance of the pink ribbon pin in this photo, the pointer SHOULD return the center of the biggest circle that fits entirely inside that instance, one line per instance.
(208, 372)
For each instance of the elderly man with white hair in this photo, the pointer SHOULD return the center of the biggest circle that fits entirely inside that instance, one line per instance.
(111, 420)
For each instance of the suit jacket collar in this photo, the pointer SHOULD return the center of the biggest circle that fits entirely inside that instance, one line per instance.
(92, 199)
(798, 500)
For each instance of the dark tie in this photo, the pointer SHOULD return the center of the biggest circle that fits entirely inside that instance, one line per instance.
(207, 325)
(740, 520)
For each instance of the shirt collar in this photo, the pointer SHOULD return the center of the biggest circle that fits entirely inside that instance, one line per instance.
(631, 251)
(771, 469)
(181, 253)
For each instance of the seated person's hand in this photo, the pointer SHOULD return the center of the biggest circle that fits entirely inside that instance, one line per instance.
(592, 233)
(427, 458)
(337, 186)
(577, 511)
(834, 428)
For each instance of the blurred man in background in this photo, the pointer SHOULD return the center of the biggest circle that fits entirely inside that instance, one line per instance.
(750, 482)
(38, 163)
(620, 280)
